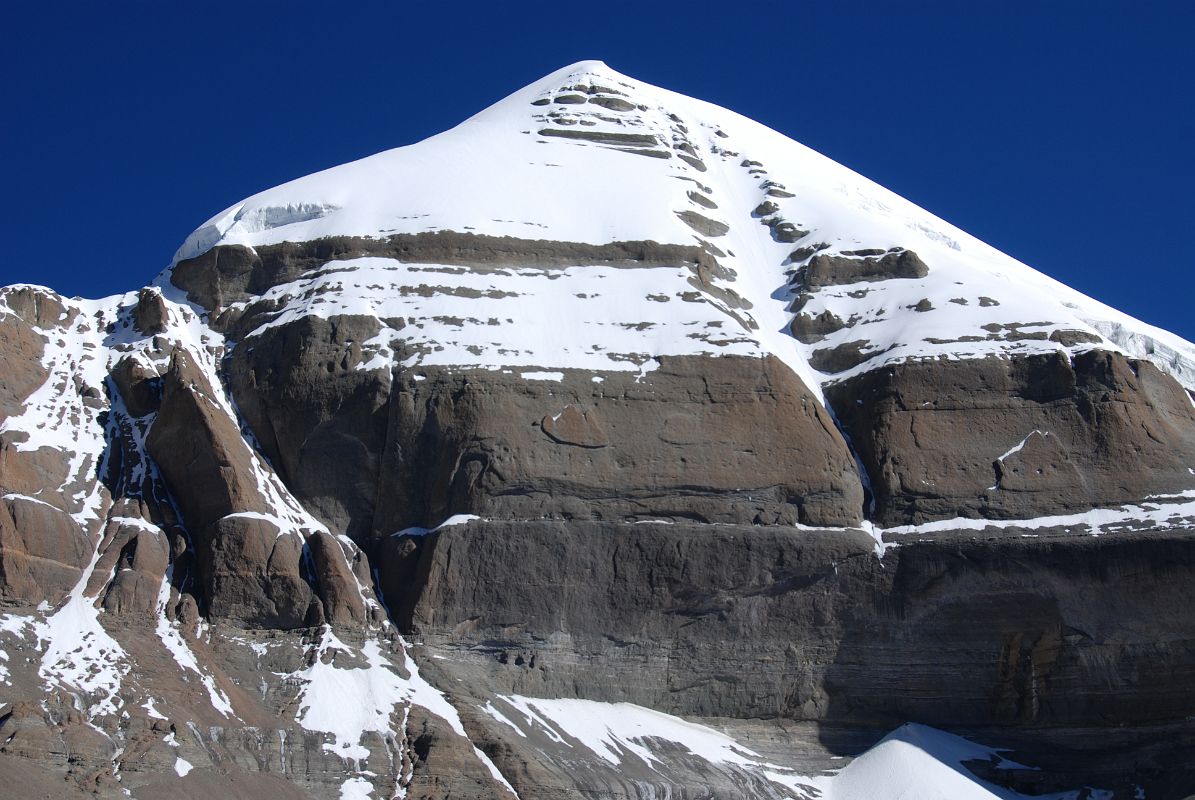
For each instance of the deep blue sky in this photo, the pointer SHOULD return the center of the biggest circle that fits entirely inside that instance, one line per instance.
(1060, 132)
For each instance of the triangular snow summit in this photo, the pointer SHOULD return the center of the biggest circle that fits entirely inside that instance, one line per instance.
(591, 226)
(587, 156)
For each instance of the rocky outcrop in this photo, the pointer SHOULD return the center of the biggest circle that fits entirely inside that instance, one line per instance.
(253, 565)
(862, 265)
(199, 449)
(150, 313)
(253, 575)
(137, 557)
(1026, 437)
(36, 306)
(703, 224)
(343, 601)
(810, 328)
(139, 386)
(218, 276)
(20, 360)
(43, 549)
(442, 764)
(41, 552)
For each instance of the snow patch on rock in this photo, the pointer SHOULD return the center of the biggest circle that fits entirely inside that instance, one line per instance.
(173, 640)
(80, 656)
(348, 702)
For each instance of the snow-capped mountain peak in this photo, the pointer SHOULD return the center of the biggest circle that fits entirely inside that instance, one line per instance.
(776, 248)
(617, 403)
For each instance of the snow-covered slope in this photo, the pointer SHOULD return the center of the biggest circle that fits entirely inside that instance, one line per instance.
(586, 155)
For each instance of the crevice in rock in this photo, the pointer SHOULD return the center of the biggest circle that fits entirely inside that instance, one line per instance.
(869, 499)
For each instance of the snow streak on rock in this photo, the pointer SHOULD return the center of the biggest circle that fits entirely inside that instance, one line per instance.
(369, 697)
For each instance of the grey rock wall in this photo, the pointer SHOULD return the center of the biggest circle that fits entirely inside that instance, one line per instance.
(757, 622)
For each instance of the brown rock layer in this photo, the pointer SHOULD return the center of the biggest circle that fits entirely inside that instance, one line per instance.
(862, 265)
(137, 558)
(253, 575)
(232, 273)
(20, 362)
(714, 440)
(1005, 439)
(200, 451)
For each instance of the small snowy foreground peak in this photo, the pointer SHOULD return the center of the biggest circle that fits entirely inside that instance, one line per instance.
(912, 761)
(799, 256)
(929, 764)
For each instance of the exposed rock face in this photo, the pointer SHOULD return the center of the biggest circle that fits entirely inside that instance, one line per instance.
(574, 426)
(343, 602)
(681, 593)
(139, 386)
(137, 557)
(41, 552)
(216, 276)
(957, 635)
(309, 406)
(150, 313)
(745, 444)
(35, 306)
(21, 362)
(840, 358)
(676, 443)
(1029, 437)
(251, 567)
(201, 453)
(442, 768)
(954, 630)
(252, 574)
(703, 224)
(808, 328)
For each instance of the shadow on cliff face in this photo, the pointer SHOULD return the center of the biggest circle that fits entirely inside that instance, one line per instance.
(1077, 651)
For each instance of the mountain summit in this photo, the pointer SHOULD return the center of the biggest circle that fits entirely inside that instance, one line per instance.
(588, 156)
(486, 466)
